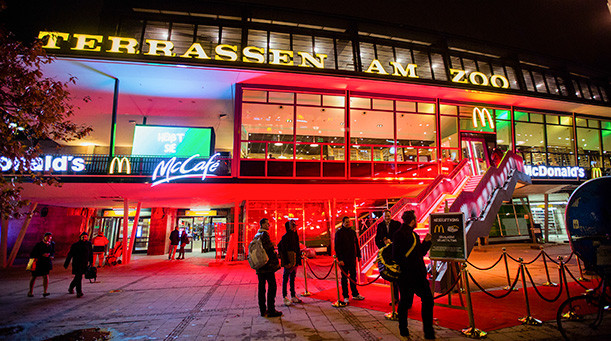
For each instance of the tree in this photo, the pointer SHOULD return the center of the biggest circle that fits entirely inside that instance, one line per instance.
(34, 109)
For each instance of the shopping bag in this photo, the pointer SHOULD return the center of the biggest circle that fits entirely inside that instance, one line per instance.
(31, 265)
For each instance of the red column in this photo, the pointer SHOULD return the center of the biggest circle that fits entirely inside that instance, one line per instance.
(162, 223)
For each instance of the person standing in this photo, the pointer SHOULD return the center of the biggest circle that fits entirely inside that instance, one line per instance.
(386, 229)
(409, 252)
(174, 240)
(266, 273)
(81, 255)
(348, 251)
(184, 240)
(99, 247)
(43, 252)
(290, 259)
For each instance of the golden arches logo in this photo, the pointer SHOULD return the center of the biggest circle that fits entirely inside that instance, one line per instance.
(596, 173)
(120, 163)
(438, 229)
(482, 114)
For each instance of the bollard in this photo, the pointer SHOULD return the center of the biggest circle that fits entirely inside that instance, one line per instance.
(339, 303)
(527, 319)
(305, 275)
(508, 287)
(549, 283)
(570, 315)
(470, 332)
(393, 316)
(581, 278)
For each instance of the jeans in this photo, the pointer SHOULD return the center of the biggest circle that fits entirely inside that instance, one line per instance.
(407, 289)
(351, 270)
(270, 278)
(172, 251)
(101, 257)
(77, 283)
(289, 274)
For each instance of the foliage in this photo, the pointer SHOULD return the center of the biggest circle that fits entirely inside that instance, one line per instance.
(34, 109)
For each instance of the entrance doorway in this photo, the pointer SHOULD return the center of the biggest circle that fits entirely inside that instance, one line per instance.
(200, 231)
(474, 148)
(113, 230)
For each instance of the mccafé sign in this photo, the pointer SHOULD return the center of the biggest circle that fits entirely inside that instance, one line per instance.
(543, 171)
(250, 54)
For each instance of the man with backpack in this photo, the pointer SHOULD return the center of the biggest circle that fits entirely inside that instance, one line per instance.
(263, 258)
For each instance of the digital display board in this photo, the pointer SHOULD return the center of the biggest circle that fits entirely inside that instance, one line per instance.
(173, 141)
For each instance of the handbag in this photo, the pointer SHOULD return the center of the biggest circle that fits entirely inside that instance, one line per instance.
(31, 265)
(91, 273)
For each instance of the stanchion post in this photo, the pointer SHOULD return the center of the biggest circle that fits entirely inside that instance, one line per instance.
(339, 303)
(549, 283)
(470, 332)
(581, 278)
(305, 274)
(569, 315)
(393, 316)
(508, 287)
(528, 319)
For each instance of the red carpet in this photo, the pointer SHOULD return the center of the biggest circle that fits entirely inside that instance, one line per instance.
(489, 313)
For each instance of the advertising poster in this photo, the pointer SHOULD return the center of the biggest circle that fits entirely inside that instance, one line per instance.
(448, 236)
(173, 141)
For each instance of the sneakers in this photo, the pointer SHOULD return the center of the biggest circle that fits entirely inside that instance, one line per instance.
(287, 301)
(274, 313)
(358, 298)
(346, 300)
(71, 291)
(79, 295)
(296, 300)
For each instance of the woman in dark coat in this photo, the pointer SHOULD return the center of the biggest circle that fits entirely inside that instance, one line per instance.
(43, 251)
(81, 255)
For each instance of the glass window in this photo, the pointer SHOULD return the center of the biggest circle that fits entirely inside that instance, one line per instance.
(594, 123)
(280, 150)
(367, 54)
(383, 104)
(302, 43)
(281, 97)
(325, 46)
(536, 118)
(415, 130)
(267, 122)
(588, 139)
(439, 70)
(406, 106)
(560, 144)
(208, 37)
(566, 120)
(358, 102)
(157, 30)
(502, 115)
(530, 142)
(427, 108)
(254, 96)
(308, 99)
(448, 109)
(255, 38)
(182, 36)
(520, 116)
(345, 59)
(581, 122)
(371, 127)
(333, 101)
(308, 151)
(279, 41)
(552, 119)
(233, 36)
(503, 134)
(320, 125)
(449, 132)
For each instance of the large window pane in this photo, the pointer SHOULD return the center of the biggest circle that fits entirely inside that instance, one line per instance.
(371, 127)
(503, 134)
(318, 125)
(415, 130)
(449, 132)
(267, 122)
(588, 144)
(530, 142)
(560, 144)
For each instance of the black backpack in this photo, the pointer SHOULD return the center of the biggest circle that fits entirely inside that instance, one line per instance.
(389, 269)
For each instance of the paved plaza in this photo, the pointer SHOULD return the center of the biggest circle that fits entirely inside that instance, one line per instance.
(154, 298)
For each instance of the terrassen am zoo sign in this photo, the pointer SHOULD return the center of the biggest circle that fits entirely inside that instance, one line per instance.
(448, 236)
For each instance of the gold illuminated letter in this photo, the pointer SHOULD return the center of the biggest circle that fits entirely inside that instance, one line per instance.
(252, 54)
(160, 46)
(86, 42)
(281, 57)
(504, 81)
(120, 43)
(400, 71)
(376, 67)
(458, 76)
(226, 52)
(318, 62)
(196, 51)
(473, 78)
(52, 42)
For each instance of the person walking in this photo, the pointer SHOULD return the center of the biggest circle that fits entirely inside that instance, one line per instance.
(99, 248)
(266, 273)
(43, 252)
(81, 255)
(386, 229)
(409, 252)
(290, 259)
(348, 251)
(174, 240)
(184, 240)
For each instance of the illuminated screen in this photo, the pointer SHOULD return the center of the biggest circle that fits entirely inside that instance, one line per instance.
(173, 141)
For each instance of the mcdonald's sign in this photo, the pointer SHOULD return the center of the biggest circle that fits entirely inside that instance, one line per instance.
(596, 173)
(482, 114)
(119, 165)
(448, 241)
(438, 229)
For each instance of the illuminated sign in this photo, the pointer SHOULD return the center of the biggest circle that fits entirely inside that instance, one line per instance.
(478, 78)
(596, 173)
(120, 163)
(448, 236)
(554, 172)
(48, 163)
(482, 114)
(173, 141)
(172, 169)
(191, 213)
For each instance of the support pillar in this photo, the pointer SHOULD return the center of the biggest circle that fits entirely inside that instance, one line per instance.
(546, 216)
(3, 242)
(132, 239)
(21, 235)
(163, 221)
(125, 227)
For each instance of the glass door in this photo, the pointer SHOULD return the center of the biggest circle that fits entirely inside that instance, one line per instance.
(474, 148)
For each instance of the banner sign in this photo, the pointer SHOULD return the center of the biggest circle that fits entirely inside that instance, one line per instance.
(170, 170)
(448, 236)
(543, 171)
(173, 141)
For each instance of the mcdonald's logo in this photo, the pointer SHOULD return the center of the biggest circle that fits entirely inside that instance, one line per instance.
(438, 229)
(480, 112)
(596, 173)
(120, 163)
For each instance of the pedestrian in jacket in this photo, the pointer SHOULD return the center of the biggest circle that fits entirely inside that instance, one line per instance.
(266, 273)
(99, 247)
(348, 251)
(43, 252)
(409, 252)
(290, 259)
(184, 240)
(174, 240)
(81, 255)
(386, 229)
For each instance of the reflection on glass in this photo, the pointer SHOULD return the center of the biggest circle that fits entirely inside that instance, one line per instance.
(415, 130)
(280, 151)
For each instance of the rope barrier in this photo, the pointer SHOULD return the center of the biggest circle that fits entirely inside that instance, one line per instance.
(568, 259)
(321, 265)
(449, 290)
(318, 277)
(539, 293)
(509, 291)
(513, 259)
(353, 281)
(488, 268)
(550, 258)
(532, 261)
(575, 279)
